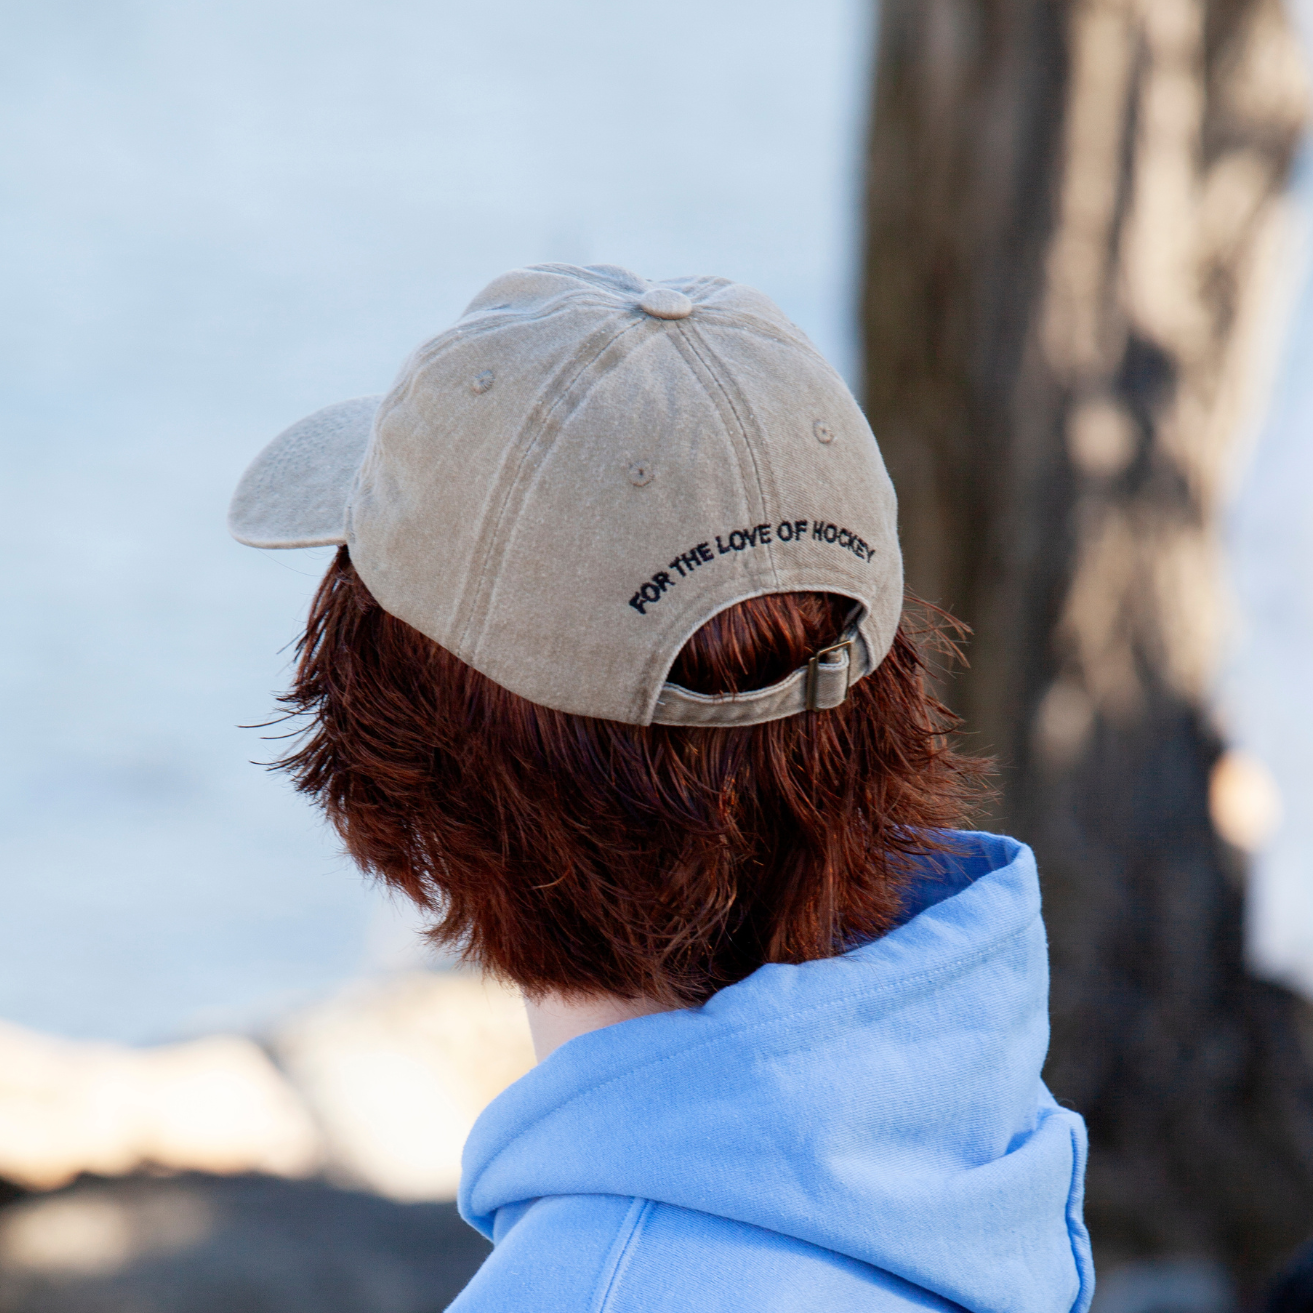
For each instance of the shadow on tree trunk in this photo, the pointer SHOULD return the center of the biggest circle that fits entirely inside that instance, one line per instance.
(1072, 213)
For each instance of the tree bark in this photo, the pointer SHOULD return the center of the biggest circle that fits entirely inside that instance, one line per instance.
(1072, 211)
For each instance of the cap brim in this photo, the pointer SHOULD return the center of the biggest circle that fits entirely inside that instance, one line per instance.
(295, 492)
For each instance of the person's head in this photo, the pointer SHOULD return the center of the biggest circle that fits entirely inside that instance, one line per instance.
(608, 756)
(570, 853)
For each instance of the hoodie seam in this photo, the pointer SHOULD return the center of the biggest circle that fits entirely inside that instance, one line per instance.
(617, 1260)
(748, 1027)
(1075, 1198)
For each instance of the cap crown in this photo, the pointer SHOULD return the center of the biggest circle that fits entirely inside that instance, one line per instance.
(563, 487)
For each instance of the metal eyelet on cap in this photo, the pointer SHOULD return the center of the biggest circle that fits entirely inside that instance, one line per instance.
(824, 433)
(641, 473)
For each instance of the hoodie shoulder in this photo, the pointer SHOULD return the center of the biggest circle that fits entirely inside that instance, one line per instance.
(885, 1105)
(605, 1254)
(558, 1256)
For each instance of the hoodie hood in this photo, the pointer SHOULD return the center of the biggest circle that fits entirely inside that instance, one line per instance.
(886, 1104)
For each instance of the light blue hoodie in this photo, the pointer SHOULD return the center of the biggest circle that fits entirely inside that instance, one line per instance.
(868, 1132)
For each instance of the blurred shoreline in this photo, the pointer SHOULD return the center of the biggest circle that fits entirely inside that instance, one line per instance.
(376, 1088)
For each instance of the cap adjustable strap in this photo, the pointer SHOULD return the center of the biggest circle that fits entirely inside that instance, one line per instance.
(819, 685)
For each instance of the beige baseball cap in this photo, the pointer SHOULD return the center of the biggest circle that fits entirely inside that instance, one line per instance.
(563, 487)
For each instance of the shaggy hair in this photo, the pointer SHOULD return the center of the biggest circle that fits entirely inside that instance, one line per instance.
(568, 853)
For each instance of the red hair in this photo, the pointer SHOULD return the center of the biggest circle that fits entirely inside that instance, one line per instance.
(567, 853)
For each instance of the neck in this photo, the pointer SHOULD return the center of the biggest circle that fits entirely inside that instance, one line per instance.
(556, 1018)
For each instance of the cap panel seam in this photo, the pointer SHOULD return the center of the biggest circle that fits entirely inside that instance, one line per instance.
(487, 321)
(747, 322)
(651, 674)
(753, 325)
(694, 337)
(473, 604)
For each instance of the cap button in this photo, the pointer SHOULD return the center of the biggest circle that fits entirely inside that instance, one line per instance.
(665, 303)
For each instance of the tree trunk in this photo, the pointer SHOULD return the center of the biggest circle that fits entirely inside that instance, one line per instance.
(1071, 214)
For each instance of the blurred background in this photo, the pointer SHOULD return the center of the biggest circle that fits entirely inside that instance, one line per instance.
(1062, 250)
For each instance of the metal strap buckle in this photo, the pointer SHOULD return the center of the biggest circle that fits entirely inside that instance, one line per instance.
(814, 670)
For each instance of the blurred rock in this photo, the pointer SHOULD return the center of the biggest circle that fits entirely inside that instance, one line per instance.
(379, 1090)
(396, 1072)
(215, 1104)
(196, 1244)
